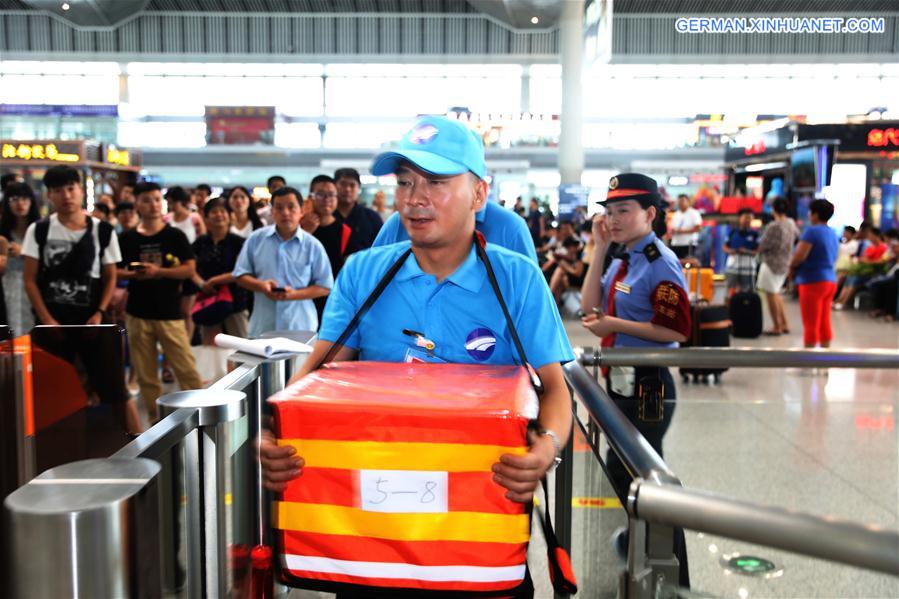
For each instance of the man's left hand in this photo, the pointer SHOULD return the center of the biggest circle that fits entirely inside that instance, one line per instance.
(97, 318)
(521, 474)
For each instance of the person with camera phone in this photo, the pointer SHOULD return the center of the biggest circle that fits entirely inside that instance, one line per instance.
(640, 301)
(286, 268)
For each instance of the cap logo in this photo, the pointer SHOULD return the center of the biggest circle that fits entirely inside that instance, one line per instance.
(613, 183)
(423, 134)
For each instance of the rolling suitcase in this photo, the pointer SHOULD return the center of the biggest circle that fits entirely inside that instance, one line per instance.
(746, 313)
(711, 328)
(700, 281)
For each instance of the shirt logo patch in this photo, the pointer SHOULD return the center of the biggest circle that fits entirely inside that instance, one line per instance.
(423, 134)
(480, 344)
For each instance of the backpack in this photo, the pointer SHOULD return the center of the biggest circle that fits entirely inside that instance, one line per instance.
(76, 265)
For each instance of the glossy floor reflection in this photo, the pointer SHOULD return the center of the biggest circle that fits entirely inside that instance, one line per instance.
(824, 442)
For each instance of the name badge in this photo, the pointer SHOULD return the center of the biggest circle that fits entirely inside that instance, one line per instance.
(620, 286)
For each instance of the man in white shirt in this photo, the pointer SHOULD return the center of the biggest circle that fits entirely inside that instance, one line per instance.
(685, 226)
(69, 278)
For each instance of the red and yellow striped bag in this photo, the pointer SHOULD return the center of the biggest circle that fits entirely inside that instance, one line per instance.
(397, 492)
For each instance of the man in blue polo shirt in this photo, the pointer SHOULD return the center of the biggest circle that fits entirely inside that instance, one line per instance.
(442, 295)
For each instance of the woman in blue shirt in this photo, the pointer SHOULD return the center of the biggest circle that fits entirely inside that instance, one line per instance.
(813, 268)
(640, 301)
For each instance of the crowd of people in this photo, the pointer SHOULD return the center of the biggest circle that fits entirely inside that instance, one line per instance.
(244, 265)
(175, 269)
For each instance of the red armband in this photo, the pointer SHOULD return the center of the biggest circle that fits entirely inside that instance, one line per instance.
(672, 308)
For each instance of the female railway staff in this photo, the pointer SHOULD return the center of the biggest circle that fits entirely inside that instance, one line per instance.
(640, 301)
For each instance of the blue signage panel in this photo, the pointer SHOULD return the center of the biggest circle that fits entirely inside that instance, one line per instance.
(72, 110)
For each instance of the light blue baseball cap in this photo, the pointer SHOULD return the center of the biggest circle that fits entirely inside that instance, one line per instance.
(436, 145)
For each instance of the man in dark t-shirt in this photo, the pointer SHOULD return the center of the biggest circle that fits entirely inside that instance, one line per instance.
(156, 258)
(334, 234)
(363, 221)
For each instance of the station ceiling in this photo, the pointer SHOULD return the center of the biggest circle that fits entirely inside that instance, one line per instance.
(458, 31)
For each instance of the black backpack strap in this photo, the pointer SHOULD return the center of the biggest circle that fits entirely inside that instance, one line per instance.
(479, 244)
(41, 231)
(366, 305)
(105, 235)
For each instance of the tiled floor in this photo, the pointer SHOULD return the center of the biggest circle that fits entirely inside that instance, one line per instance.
(824, 443)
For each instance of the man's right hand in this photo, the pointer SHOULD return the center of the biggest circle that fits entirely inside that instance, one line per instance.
(279, 463)
(310, 222)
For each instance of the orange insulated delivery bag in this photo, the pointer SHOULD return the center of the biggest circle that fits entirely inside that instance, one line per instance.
(397, 492)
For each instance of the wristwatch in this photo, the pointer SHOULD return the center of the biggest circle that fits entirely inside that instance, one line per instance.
(554, 439)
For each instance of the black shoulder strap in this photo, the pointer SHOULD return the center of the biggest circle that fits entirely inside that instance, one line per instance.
(366, 305)
(388, 276)
(482, 254)
(41, 231)
(105, 235)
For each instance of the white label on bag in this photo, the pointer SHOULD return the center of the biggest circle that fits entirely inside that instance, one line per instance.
(403, 491)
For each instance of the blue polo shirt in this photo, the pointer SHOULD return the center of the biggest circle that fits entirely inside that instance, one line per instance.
(461, 315)
(299, 262)
(642, 278)
(500, 227)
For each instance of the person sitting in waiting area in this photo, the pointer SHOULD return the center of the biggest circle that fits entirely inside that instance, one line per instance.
(565, 269)
(883, 287)
(871, 263)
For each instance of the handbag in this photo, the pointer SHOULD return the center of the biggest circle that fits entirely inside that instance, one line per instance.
(213, 308)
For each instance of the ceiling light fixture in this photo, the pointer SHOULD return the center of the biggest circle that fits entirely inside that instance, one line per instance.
(65, 6)
(535, 20)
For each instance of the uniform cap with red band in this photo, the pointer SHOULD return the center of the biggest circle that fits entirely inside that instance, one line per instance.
(633, 186)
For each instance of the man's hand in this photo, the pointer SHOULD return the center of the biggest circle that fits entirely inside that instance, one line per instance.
(15, 250)
(521, 474)
(208, 288)
(97, 318)
(149, 271)
(279, 463)
(310, 222)
(268, 288)
(600, 325)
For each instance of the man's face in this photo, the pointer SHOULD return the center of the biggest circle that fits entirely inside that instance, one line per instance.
(347, 191)
(566, 230)
(66, 199)
(149, 204)
(200, 197)
(324, 198)
(683, 203)
(127, 219)
(275, 185)
(218, 218)
(127, 194)
(437, 209)
(745, 220)
(286, 212)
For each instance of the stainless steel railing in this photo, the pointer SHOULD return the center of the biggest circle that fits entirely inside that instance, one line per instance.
(657, 503)
(738, 357)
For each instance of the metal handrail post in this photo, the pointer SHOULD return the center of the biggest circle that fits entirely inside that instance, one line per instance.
(564, 481)
(205, 458)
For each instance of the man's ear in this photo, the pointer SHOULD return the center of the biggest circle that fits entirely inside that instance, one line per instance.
(481, 190)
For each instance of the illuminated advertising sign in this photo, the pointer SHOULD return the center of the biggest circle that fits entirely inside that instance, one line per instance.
(883, 138)
(114, 155)
(31, 151)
